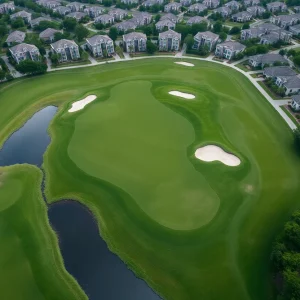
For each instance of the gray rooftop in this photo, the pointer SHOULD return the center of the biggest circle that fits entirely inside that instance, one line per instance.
(292, 82)
(23, 48)
(170, 34)
(268, 58)
(16, 37)
(134, 36)
(279, 71)
(99, 39)
(63, 43)
(233, 46)
(48, 33)
(207, 34)
(296, 98)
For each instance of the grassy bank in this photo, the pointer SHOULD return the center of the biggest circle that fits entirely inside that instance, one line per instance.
(31, 264)
(177, 222)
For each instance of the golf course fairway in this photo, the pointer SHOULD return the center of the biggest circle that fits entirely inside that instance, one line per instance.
(191, 229)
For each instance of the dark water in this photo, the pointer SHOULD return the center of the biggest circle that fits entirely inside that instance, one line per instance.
(28, 144)
(101, 274)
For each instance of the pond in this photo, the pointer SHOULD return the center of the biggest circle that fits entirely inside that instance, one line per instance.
(101, 274)
(28, 144)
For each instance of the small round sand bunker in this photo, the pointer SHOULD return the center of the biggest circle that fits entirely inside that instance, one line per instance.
(212, 152)
(184, 63)
(78, 105)
(182, 95)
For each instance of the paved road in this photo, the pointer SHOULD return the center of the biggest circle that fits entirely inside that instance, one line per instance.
(11, 68)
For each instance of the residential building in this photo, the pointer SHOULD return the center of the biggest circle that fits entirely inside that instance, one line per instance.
(24, 51)
(105, 19)
(62, 10)
(169, 41)
(98, 44)
(256, 11)
(126, 26)
(36, 22)
(169, 16)
(48, 34)
(186, 2)
(273, 72)
(163, 24)
(251, 2)
(297, 9)
(94, 11)
(276, 6)
(233, 5)
(241, 17)
(118, 14)
(275, 36)
(16, 37)
(295, 102)
(149, 3)
(134, 42)
(141, 18)
(268, 59)
(78, 15)
(76, 6)
(229, 49)
(26, 16)
(252, 33)
(49, 4)
(7, 7)
(284, 21)
(257, 32)
(66, 49)
(196, 20)
(197, 8)
(224, 11)
(211, 3)
(172, 7)
(295, 30)
(291, 84)
(129, 2)
(205, 39)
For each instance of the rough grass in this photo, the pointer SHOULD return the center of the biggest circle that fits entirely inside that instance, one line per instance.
(228, 257)
(31, 264)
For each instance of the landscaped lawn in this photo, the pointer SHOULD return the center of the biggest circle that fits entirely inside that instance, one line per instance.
(191, 229)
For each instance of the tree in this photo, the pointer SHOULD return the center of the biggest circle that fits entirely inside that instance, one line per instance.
(250, 51)
(203, 50)
(46, 24)
(189, 41)
(217, 27)
(223, 36)
(296, 60)
(17, 23)
(246, 26)
(157, 18)
(282, 52)
(69, 24)
(2, 75)
(151, 48)
(59, 36)
(81, 32)
(235, 30)
(296, 134)
(113, 33)
(31, 67)
(3, 30)
(262, 49)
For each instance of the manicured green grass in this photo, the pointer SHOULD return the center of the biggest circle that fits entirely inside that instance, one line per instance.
(273, 95)
(290, 115)
(129, 156)
(30, 261)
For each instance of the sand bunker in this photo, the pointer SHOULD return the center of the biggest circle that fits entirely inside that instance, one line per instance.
(211, 152)
(184, 64)
(78, 105)
(182, 95)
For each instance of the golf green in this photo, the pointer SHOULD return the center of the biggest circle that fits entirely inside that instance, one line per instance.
(191, 229)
